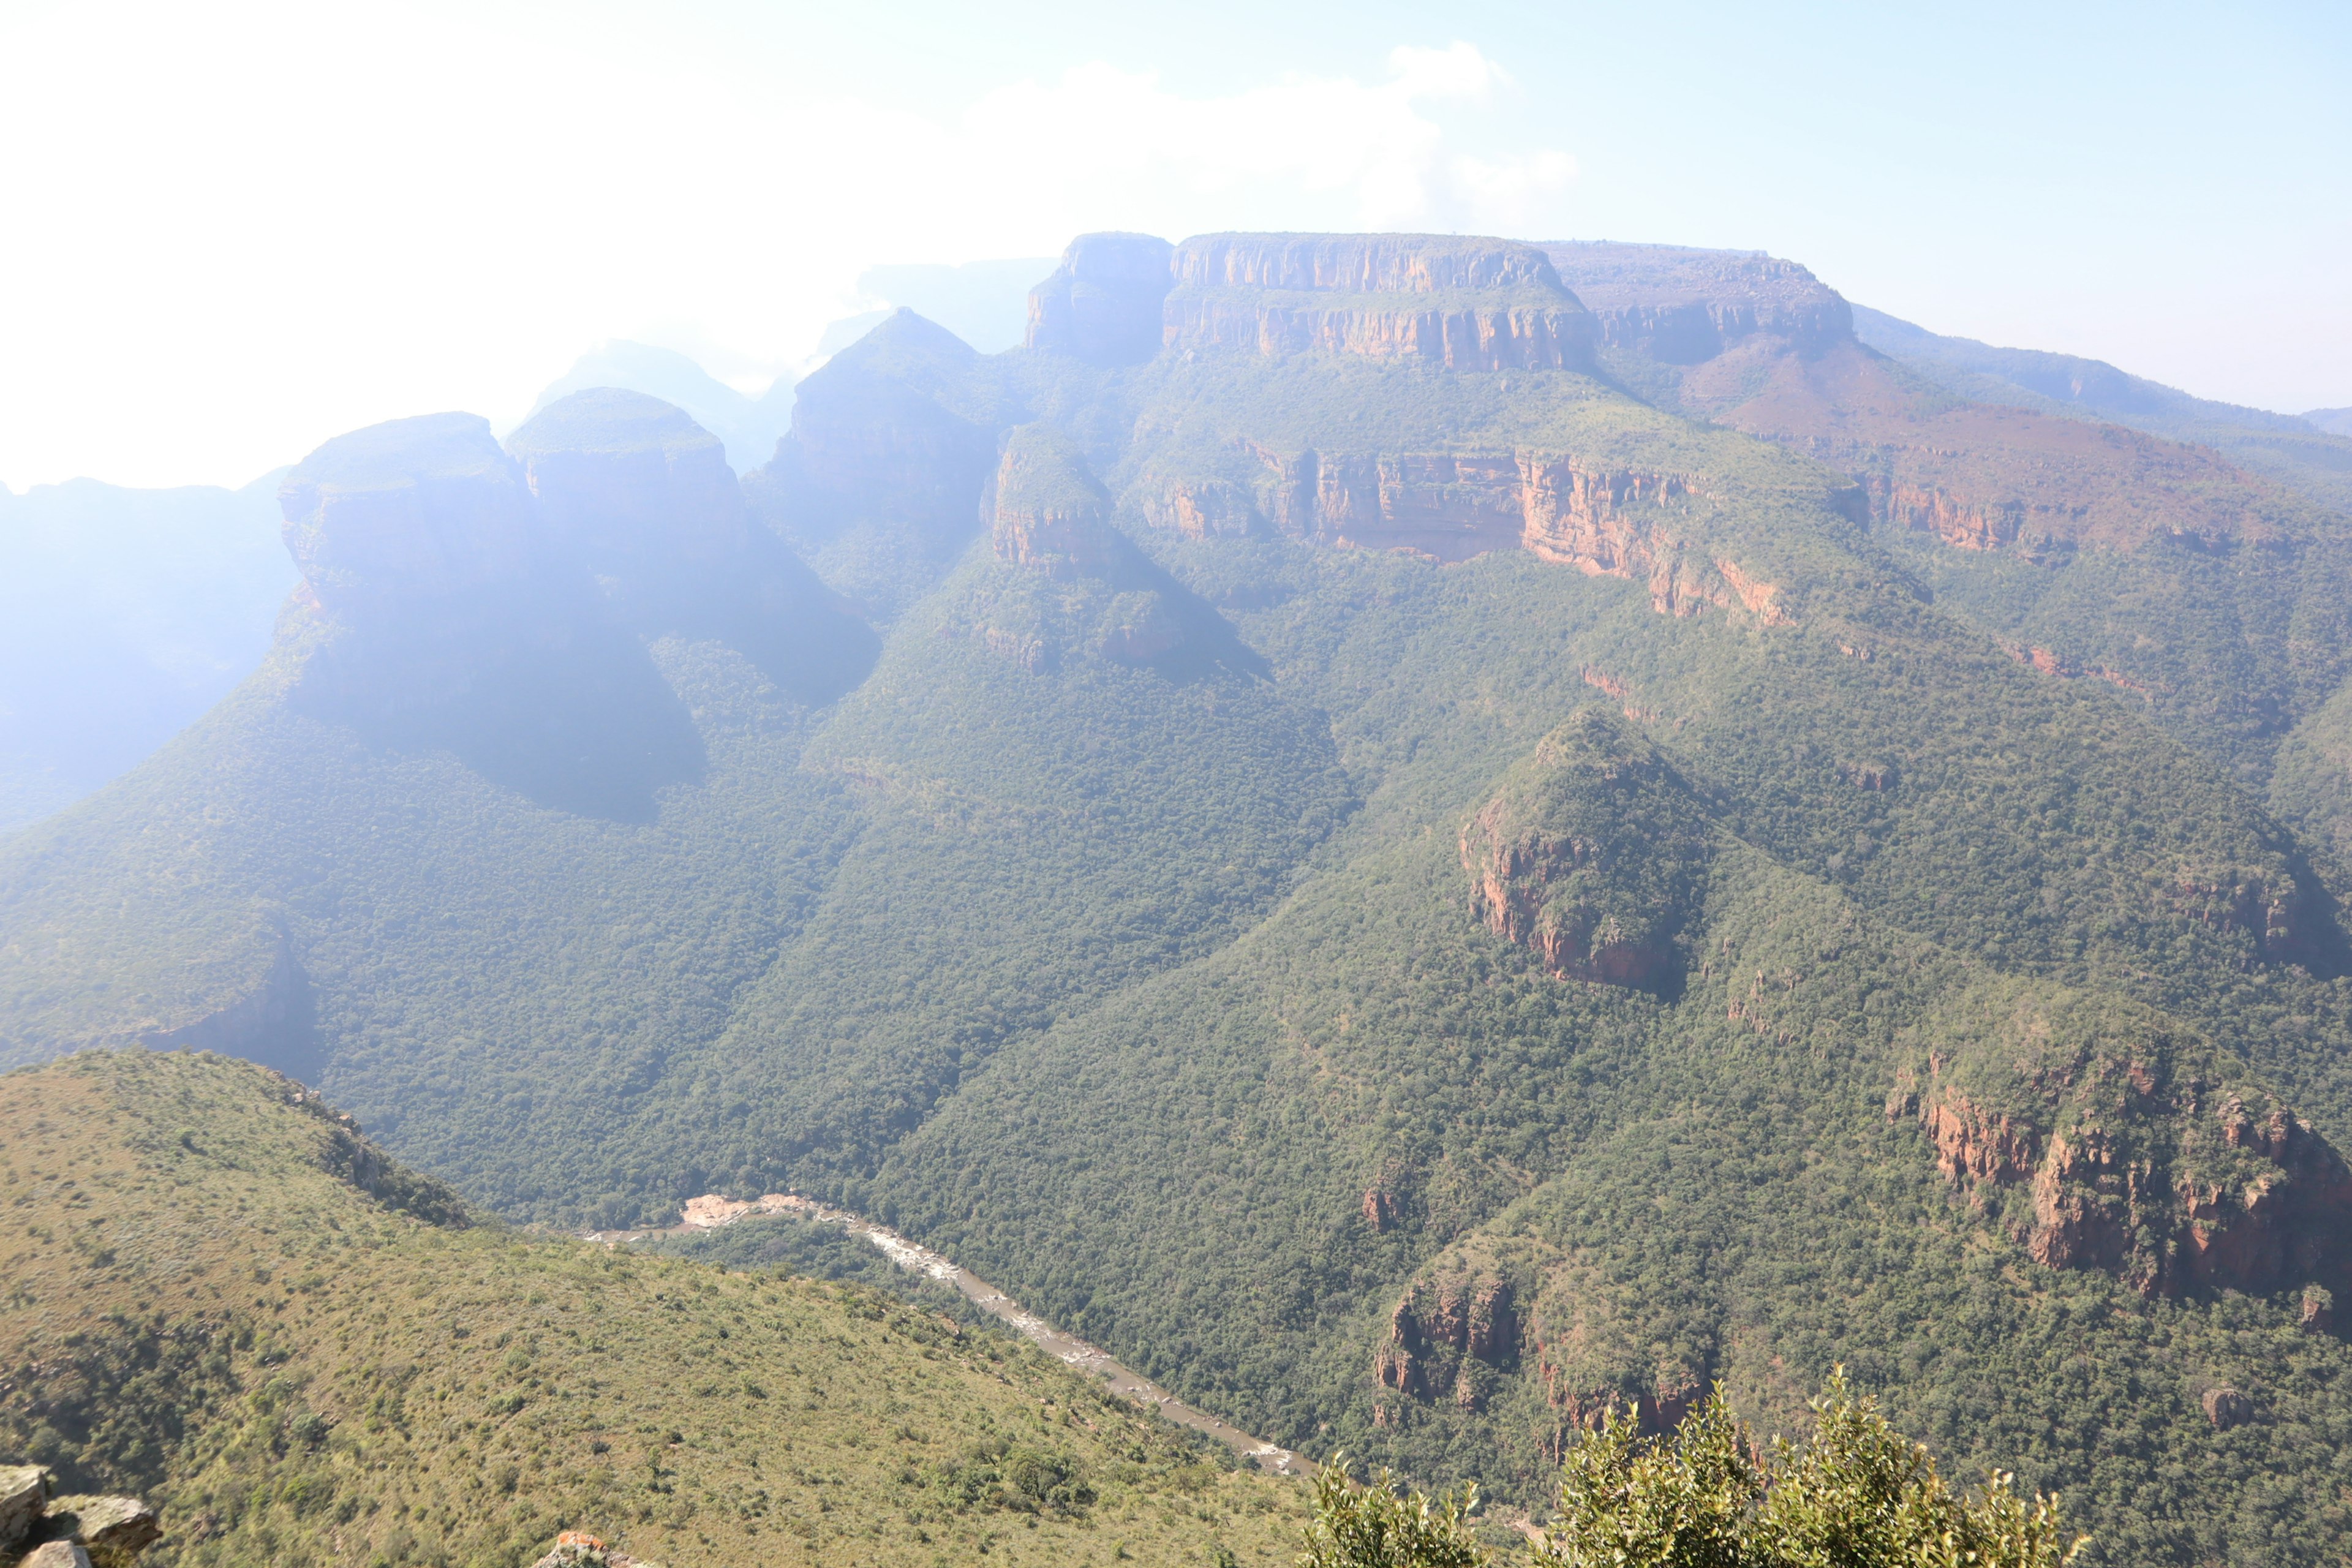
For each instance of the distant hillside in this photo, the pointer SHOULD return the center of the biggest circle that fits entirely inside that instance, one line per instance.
(2306, 451)
(1415, 835)
(747, 426)
(124, 616)
(224, 1296)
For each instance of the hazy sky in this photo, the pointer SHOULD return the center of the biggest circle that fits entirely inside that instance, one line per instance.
(228, 231)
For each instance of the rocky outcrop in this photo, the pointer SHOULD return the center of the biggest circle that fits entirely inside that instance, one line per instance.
(884, 438)
(1592, 854)
(75, 1529)
(1603, 520)
(1051, 515)
(1448, 1337)
(1103, 305)
(1466, 304)
(2104, 1154)
(411, 514)
(2226, 1407)
(579, 1548)
(1965, 525)
(2266, 907)
(641, 498)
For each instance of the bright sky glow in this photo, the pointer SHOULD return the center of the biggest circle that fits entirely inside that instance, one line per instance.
(232, 230)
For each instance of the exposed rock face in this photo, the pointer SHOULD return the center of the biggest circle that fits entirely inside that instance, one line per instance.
(24, 1488)
(1448, 1337)
(2267, 907)
(496, 606)
(1103, 304)
(1965, 525)
(74, 1529)
(883, 439)
(1592, 854)
(114, 1530)
(1605, 520)
(1051, 515)
(412, 513)
(1684, 306)
(2120, 1161)
(1467, 304)
(2226, 1407)
(642, 498)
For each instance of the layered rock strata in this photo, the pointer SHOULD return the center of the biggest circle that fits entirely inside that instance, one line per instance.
(1050, 514)
(1591, 854)
(1683, 306)
(1102, 305)
(1466, 304)
(2175, 1184)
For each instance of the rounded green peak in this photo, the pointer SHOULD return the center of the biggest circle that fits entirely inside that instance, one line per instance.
(401, 452)
(608, 419)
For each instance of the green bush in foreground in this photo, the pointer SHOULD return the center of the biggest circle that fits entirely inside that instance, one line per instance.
(1857, 1494)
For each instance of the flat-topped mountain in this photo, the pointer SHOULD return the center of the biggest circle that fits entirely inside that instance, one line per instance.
(1416, 834)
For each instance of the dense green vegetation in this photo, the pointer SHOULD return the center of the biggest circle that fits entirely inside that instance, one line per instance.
(1115, 936)
(1852, 1492)
(301, 1371)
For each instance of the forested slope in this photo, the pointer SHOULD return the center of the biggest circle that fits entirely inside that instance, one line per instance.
(222, 1297)
(1413, 834)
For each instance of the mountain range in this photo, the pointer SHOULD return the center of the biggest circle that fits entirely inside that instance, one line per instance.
(1418, 836)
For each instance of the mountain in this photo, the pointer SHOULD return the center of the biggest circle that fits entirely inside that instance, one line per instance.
(222, 1295)
(985, 304)
(1416, 834)
(747, 426)
(2311, 451)
(124, 614)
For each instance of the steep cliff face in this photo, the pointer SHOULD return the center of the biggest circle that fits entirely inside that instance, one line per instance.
(878, 480)
(1451, 1334)
(1051, 514)
(1604, 520)
(495, 604)
(1684, 307)
(1466, 304)
(412, 513)
(1592, 854)
(642, 498)
(1102, 305)
(2101, 1139)
(1072, 584)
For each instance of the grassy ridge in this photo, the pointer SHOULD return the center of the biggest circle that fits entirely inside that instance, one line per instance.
(300, 1372)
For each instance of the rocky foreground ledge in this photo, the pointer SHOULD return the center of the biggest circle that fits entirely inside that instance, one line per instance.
(40, 1528)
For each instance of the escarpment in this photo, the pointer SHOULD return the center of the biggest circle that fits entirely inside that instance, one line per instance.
(2101, 1141)
(1593, 854)
(496, 604)
(1683, 306)
(642, 497)
(1604, 520)
(1465, 304)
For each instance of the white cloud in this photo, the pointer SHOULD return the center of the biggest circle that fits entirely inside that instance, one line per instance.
(235, 235)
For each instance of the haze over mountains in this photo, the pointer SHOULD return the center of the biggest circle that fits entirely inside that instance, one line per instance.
(1417, 835)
